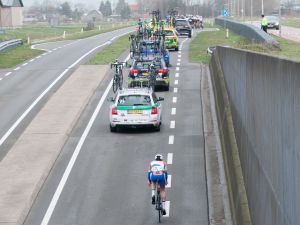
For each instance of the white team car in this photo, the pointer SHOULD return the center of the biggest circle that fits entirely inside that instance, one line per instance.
(134, 107)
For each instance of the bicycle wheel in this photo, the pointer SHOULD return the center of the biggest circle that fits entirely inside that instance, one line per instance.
(159, 206)
(115, 84)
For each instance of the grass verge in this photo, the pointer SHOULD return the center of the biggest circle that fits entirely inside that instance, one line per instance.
(198, 48)
(111, 52)
(17, 55)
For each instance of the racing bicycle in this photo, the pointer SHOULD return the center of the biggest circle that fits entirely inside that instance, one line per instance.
(118, 77)
(152, 77)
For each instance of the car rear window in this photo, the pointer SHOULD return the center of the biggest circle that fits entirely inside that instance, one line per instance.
(169, 33)
(133, 100)
(182, 23)
(146, 64)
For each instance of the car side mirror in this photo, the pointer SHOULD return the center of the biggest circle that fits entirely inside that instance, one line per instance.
(160, 99)
(110, 99)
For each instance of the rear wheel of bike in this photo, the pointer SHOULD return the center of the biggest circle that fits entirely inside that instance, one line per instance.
(115, 84)
(158, 205)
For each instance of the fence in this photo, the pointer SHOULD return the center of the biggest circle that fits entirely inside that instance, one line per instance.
(249, 31)
(264, 99)
(10, 44)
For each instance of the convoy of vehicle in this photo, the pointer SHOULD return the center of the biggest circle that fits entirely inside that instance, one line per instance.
(137, 105)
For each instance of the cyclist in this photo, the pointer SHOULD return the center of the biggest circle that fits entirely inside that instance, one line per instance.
(157, 174)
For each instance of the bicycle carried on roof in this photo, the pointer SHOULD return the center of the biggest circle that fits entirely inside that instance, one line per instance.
(118, 77)
(152, 77)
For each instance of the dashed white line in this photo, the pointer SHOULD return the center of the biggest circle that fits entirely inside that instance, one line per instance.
(169, 185)
(172, 124)
(178, 64)
(174, 99)
(50, 51)
(179, 60)
(31, 60)
(38, 57)
(167, 209)
(176, 82)
(25, 64)
(171, 139)
(170, 158)
(177, 68)
(44, 54)
(54, 49)
(175, 90)
(173, 112)
(1, 78)
(179, 56)
(176, 74)
(7, 74)
(17, 68)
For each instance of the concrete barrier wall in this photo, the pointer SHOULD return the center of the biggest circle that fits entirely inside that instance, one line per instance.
(264, 94)
(249, 31)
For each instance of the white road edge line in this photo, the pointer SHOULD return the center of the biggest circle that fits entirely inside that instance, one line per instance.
(13, 127)
(1, 78)
(68, 170)
(172, 124)
(174, 99)
(16, 69)
(175, 90)
(7, 74)
(171, 139)
(167, 209)
(31, 60)
(169, 185)
(72, 161)
(25, 64)
(173, 112)
(170, 158)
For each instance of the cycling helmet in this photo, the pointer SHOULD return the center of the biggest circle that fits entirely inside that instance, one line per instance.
(159, 157)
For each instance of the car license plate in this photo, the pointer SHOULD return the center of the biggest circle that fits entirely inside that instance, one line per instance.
(135, 111)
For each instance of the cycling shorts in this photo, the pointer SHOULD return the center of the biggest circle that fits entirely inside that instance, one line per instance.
(161, 179)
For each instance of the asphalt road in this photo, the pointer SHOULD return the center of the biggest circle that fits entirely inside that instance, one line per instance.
(107, 183)
(25, 88)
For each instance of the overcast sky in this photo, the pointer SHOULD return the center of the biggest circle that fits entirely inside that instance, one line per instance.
(89, 3)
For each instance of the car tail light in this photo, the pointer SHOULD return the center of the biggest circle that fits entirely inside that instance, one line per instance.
(133, 72)
(154, 111)
(114, 111)
(162, 71)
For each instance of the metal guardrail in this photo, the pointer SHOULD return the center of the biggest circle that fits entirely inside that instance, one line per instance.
(11, 43)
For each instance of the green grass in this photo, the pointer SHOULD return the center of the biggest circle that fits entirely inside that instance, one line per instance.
(198, 48)
(111, 52)
(291, 22)
(17, 55)
(37, 33)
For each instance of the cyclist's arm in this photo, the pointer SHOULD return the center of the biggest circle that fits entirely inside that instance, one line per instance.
(149, 172)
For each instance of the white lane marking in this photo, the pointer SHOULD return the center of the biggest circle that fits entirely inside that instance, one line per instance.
(68, 170)
(1, 78)
(179, 52)
(175, 90)
(178, 64)
(176, 74)
(177, 68)
(38, 57)
(173, 112)
(54, 49)
(13, 127)
(25, 64)
(179, 60)
(49, 51)
(174, 99)
(179, 56)
(31, 60)
(176, 82)
(170, 158)
(172, 124)
(17, 68)
(7, 74)
(171, 139)
(169, 185)
(167, 209)
(44, 54)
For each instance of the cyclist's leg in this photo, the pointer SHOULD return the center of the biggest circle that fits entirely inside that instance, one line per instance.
(153, 186)
(162, 184)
